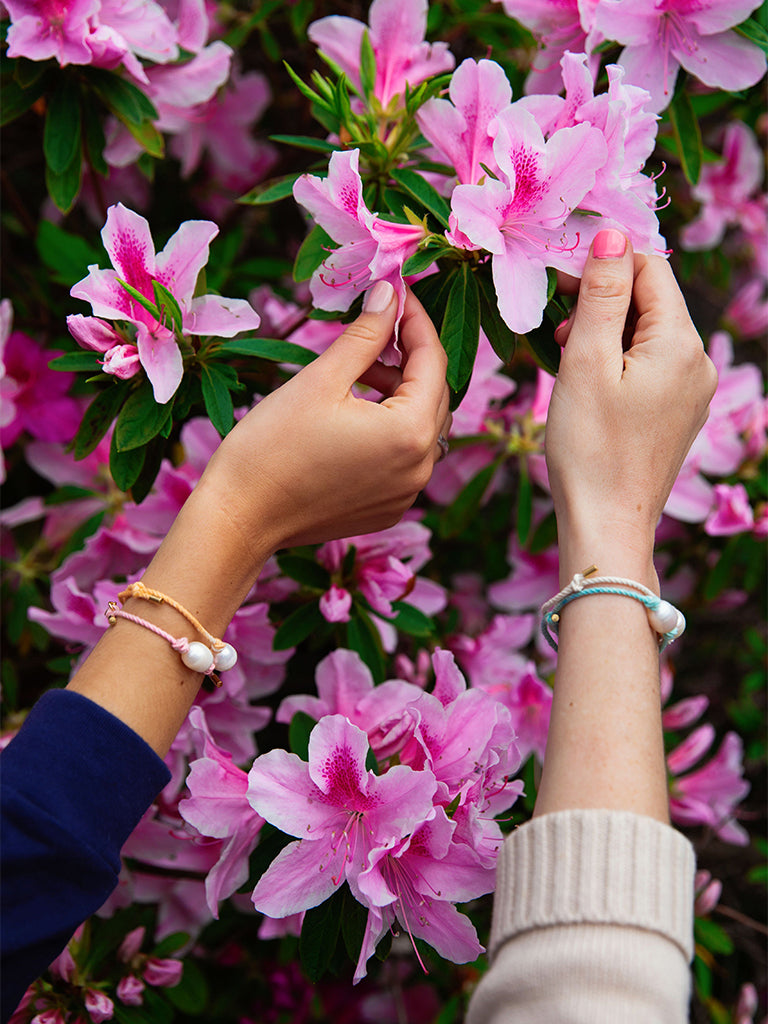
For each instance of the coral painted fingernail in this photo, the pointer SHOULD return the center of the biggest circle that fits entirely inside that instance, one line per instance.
(609, 244)
(378, 298)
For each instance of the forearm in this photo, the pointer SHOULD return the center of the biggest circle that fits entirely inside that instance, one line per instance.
(605, 744)
(208, 566)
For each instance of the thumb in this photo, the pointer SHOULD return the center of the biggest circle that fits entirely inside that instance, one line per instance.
(595, 330)
(363, 341)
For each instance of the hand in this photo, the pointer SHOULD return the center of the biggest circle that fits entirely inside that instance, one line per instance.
(312, 462)
(621, 422)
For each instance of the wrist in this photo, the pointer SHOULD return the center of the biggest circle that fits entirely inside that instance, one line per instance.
(615, 552)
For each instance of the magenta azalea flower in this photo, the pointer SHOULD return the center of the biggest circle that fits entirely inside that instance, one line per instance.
(371, 249)
(710, 794)
(340, 813)
(130, 247)
(659, 36)
(51, 28)
(521, 217)
(397, 29)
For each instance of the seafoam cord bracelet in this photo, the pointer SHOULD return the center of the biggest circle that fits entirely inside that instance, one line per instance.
(218, 655)
(664, 618)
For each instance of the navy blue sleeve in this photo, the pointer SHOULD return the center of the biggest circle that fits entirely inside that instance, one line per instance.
(75, 783)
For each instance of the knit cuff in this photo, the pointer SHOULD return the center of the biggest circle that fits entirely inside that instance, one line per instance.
(596, 867)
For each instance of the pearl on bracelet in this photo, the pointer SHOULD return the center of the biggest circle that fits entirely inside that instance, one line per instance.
(664, 618)
(198, 657)
(225, 658)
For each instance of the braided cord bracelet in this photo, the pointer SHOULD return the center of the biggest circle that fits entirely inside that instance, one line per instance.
(666, 620)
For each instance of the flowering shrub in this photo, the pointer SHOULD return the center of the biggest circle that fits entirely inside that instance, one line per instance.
(471, 151)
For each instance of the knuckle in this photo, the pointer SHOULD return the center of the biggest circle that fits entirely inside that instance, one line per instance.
(607, 287)
(361, 330)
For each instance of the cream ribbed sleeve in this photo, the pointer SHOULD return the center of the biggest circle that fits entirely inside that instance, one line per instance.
(592, 923)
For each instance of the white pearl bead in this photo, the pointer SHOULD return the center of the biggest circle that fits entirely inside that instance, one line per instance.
(664, 618)
(225, 658)
(198, 657)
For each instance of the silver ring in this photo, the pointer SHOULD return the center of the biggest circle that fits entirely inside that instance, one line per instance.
(443, 446)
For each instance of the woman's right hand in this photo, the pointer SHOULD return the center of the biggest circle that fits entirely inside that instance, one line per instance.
(621, 422)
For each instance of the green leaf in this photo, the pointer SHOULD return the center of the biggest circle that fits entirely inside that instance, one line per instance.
(503, 340)
(61, 136)
(461, 328)
(545, 350)
(98, 418)
(305, 142)
(420, 260)
(299, 731)
(167, 306)
(363, 637)
(142, 300)
(367, 66)
(297, 626)
(64, 186)
(272, 192)
(544, 536)
(140, 419)
(411, 620)
(125, 467)
(66, 256)
(15, 99)
(354, 920)
(276, 349)
(306, 570)
(123, 98)
(76, 361)
(191, 994)
(170, 944)
(271, 842)
(153, 458)
(524, 504)
(464, 509)
(148, 137)
(432, 292)
(685, 125)
(319, 935)
(217, 397)
(754, 32)
(95, 140)
(313, 251)
(710, 935)
(423, 192)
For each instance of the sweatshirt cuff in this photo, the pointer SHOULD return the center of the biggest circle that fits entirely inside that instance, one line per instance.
(596, 867)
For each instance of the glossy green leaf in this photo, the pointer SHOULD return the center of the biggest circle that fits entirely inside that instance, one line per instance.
(545, 350)
(66, 256)
(319, 935)
(411, 620)
(710, 935)
(432, 292)
(62, 132)
(76, 362)
(305, 571)
(275, 349)
(685, 126)
(367, 65)
(503, 340)
(94, 138)
(190, 996)
(125, 467)
(299, 732)
(311, 254)
(98, 418)
(363, 637)
(15, 99)
(64, 186)
(461, 327)
(217, 397)
(140, 419)
(305, 142)
(418, 187)
(153, 459)
(298, 626)
(123, 98)
(421, 260)
(148, 137)
(272, 192)
(170, 312)
(754, 32)
(142, 300)
(465, 507)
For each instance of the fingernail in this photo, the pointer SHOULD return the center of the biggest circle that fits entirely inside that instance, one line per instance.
(378, 298)
(609, 244)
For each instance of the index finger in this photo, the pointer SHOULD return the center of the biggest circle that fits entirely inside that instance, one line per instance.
(425, 362)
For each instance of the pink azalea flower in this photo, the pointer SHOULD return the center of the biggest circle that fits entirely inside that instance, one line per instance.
(345, 687)
(99, 1006)
(339, 812)
(708, 891)
(461, 129)
(560, 25)
(725, 189)
(621, 193)
(732, 512)
(417, 882)
(335, 604)
(164, 972)
(371, 249)
(747, 312)
(533, 580)
(521, 217)
(49, 1017)
(51, 28)
(34, 398)
(120, 359)
(130, 247)
(130, 990)
(218, 807)
(396, 32)
(710, 794)
(659, 36)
